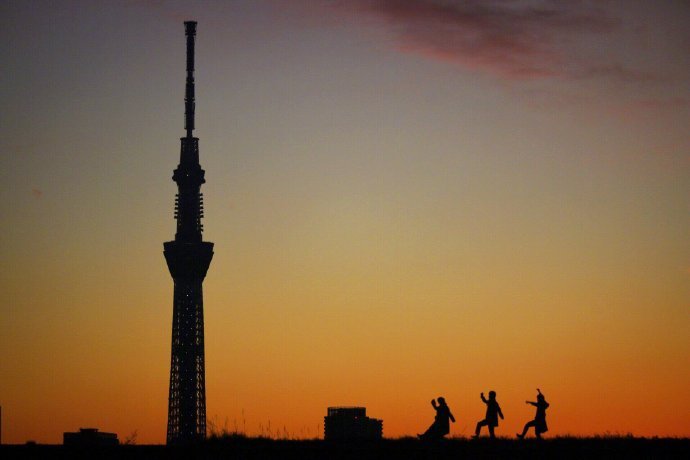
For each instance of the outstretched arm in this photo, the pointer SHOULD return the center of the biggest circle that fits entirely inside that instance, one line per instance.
(483, 398)
(433, 403)
(532, 403)
(450, 414)
(500, 413)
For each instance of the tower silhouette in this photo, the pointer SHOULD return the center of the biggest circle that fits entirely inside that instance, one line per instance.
(188, 259)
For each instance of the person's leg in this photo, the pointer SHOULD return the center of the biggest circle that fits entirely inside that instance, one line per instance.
(429, 433)
(434, 432)
(479, 428)
(538, 430)
(527, 427)
(491, 432)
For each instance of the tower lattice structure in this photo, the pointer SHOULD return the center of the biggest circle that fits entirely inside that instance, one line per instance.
(188, 259)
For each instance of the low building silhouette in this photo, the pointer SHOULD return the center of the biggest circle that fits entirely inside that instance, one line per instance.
(348, 423)
(90, 437)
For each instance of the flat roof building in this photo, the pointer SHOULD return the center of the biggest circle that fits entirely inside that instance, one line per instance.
(90, 437)
(350, 423)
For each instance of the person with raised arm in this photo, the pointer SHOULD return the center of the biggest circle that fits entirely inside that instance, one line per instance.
(441, 425)
(539, 422)
(493, 411)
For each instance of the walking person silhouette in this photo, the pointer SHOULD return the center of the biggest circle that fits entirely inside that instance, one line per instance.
(441, 425)
(539, 422)
(493, 411)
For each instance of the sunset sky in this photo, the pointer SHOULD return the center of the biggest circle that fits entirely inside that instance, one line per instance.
(408, 199)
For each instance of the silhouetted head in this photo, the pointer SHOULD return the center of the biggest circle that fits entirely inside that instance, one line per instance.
(492, 395)
(540, 397)
(441, 400)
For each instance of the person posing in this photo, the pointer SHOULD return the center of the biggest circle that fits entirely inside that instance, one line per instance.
(441, 425)
(539, 422)
(493, 411)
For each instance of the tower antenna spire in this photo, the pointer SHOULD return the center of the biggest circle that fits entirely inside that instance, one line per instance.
(190, 32)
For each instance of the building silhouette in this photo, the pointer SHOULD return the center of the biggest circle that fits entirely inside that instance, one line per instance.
(350, 423)
(90, 437)
(188, 259)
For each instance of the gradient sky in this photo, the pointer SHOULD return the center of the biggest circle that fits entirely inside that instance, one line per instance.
(408, 199)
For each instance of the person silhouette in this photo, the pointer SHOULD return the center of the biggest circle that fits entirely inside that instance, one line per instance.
(493, 411)
(441, 425)
(539, 422)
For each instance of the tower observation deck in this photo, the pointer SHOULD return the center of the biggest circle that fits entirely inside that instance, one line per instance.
(188, 259)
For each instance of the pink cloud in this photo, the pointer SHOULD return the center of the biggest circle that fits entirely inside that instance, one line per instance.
(511, 39)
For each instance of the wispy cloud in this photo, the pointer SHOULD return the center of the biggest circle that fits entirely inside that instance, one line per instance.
(614, 71)
(661, 103)
(644, 108)
(513, 39)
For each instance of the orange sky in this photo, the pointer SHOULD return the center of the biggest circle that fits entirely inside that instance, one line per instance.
(389, 227)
